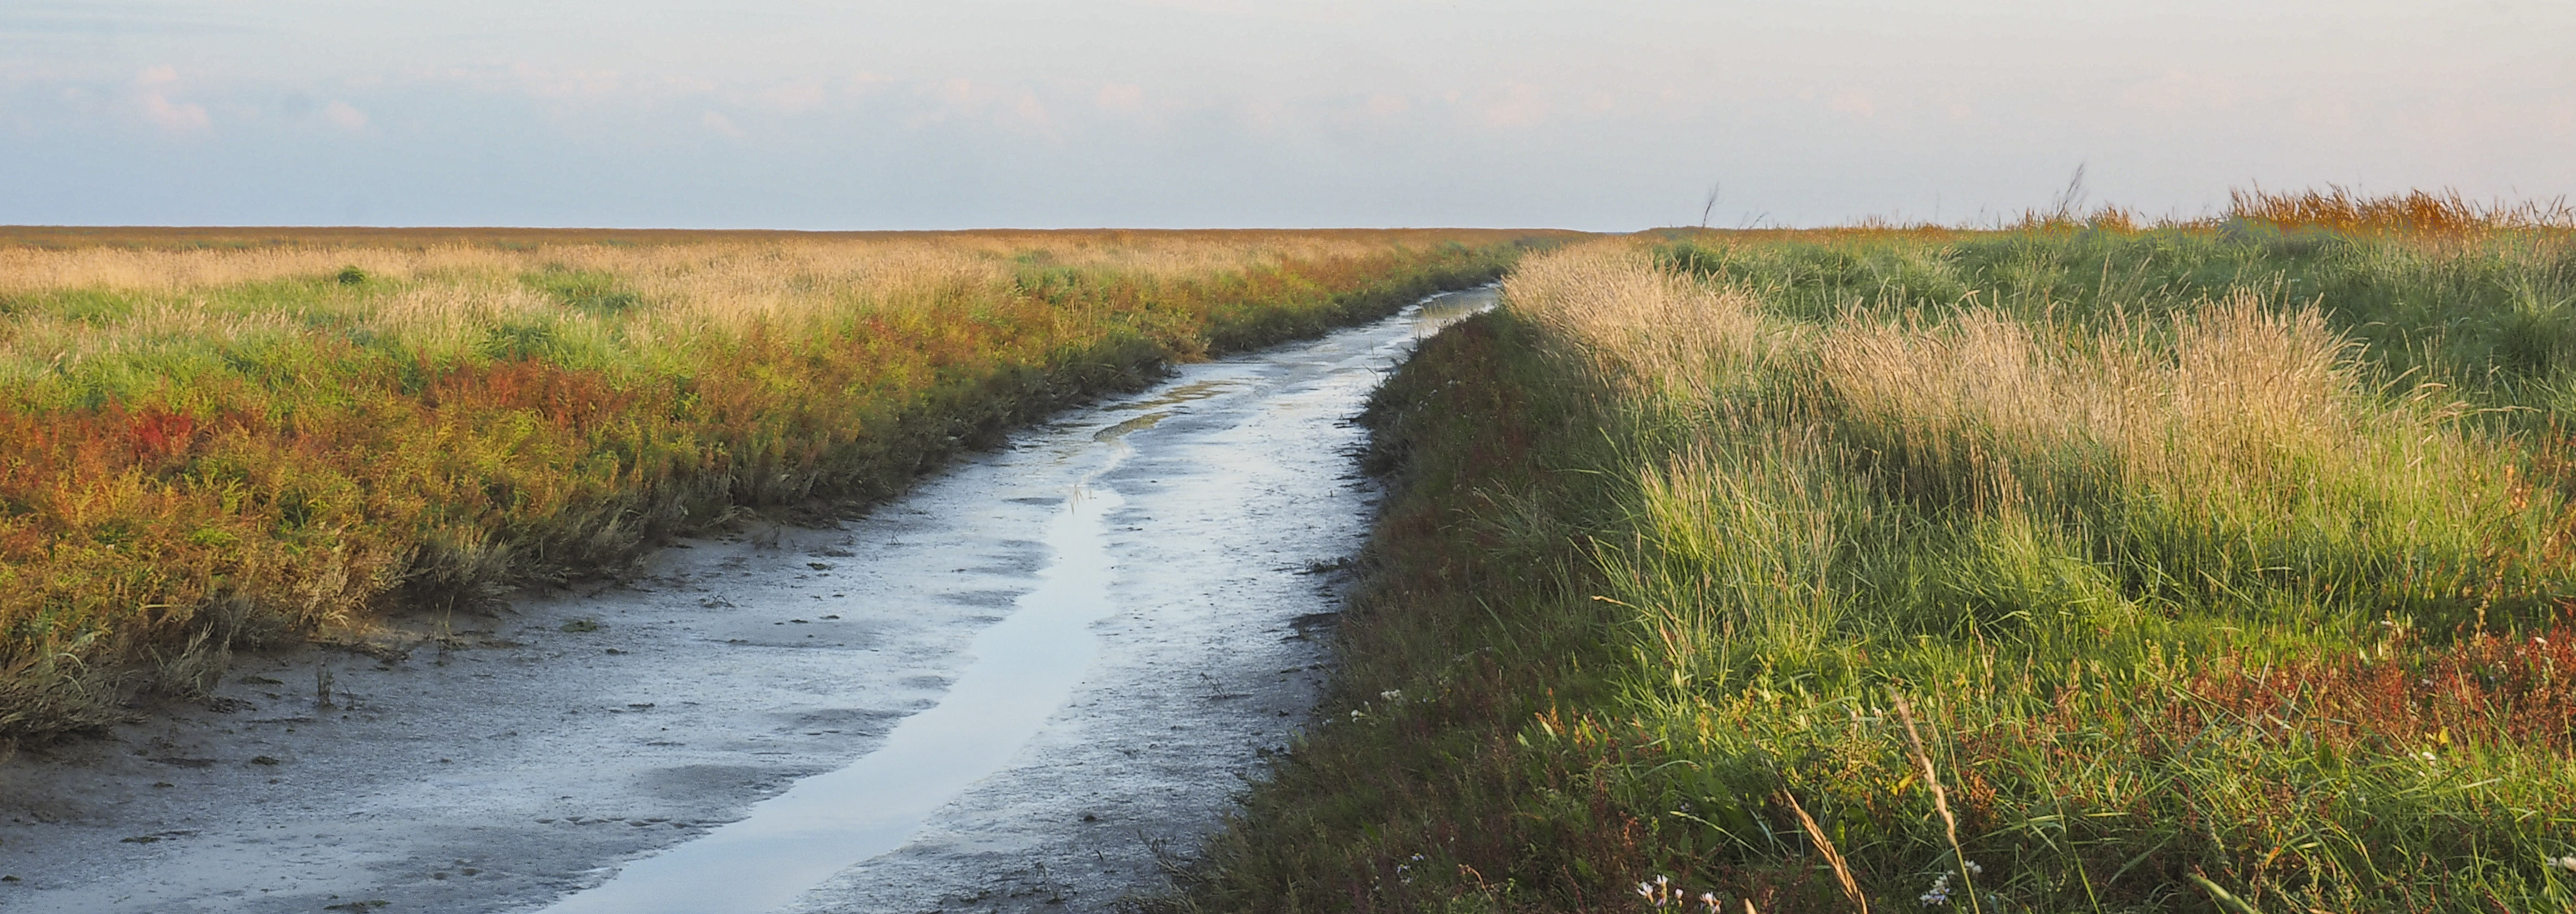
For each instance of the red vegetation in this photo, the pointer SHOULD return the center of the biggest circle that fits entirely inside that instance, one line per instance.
(2484, 689)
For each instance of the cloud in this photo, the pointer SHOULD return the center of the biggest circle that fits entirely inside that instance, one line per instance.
(960, 92)
(1855, 103)
(345, 116)
(1123, 98)
(176, 117)
(1513, 104)
(1029, 113)
(1009, 107)
(794, 97)
(864, 82)
(1386, 105)
(2183, 90)
(721, 124)
(568, 83)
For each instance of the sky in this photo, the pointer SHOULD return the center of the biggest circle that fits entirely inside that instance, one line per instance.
(1612, 116)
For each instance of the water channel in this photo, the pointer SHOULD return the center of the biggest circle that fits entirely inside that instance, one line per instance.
(1023, 686)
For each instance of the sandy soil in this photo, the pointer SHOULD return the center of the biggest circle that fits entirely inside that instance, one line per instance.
(522, 761)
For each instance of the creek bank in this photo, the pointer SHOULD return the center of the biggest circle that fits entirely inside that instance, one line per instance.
(526, 757)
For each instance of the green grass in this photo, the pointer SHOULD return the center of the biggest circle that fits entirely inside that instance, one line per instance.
(2221, 561)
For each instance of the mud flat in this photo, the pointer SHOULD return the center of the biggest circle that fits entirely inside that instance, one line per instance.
(1011, 689)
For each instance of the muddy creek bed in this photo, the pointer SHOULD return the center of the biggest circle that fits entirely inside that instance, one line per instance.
(1010, 689)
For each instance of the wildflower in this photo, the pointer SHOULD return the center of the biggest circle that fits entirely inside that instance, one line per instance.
(1355, 714)
(1973, 869)
(2566, 863)
(1708, 900)
(1392, 695)
(1658, 893)
(1939, 893)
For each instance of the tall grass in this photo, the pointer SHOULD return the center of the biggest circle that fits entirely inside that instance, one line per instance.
(2199, 583)
(204, 446)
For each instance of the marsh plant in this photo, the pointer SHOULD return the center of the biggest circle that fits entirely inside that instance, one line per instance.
(209, 440)
(2084, 565)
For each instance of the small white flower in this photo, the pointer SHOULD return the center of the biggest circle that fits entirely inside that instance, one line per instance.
(1974, 869)
(1392, 695)
(1658, 893)
(2567, 863)
(1355, 714)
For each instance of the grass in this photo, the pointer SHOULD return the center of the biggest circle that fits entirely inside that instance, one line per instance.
(219, 438)
(2217, 566)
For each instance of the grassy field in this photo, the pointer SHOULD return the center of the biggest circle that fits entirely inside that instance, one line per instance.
(218, 438)
(2081, 566)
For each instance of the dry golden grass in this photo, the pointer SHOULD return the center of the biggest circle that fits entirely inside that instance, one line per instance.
(2230, 390)
(1668, 336)
(2419, 212)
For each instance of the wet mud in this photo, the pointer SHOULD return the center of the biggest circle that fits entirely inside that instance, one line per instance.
(1026, 685)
